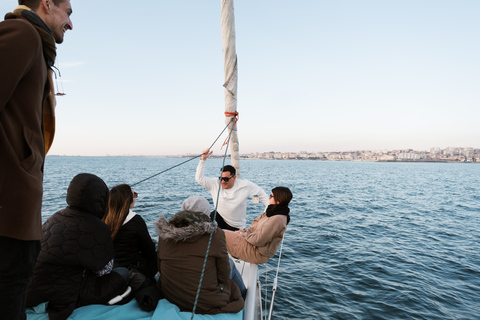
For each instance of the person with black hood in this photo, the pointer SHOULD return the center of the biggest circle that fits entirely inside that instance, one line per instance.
(74, 267)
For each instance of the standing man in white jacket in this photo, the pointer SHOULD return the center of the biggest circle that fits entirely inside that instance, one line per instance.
(232, 202)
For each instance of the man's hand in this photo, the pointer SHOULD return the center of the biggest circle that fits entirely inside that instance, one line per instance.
(205, 154)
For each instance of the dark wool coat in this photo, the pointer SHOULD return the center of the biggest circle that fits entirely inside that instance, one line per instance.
(134, 247)
(23, 89)
(76, 244)
(181, 253)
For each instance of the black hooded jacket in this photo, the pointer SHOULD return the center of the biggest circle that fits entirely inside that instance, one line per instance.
(76, 244)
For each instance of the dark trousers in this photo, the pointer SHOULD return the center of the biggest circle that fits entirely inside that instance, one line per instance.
(16, 267)
(221, 223)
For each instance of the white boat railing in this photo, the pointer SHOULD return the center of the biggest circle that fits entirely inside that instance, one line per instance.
(249, 272)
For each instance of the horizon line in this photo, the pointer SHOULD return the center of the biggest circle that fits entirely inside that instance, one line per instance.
(263, 152)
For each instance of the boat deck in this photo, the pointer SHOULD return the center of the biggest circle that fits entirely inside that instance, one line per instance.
(165, 309)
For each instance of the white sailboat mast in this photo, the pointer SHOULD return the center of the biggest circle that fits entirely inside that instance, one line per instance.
(230, 72)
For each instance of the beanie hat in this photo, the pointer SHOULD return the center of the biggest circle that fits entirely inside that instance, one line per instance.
(196, 204)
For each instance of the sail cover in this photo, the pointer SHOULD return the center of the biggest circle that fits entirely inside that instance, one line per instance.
(230, 72)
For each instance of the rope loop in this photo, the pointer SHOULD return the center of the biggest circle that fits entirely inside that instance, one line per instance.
(234, 118)
(231, 114)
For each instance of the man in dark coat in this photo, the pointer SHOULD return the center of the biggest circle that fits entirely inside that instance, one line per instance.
(74, 264)
(27, 125)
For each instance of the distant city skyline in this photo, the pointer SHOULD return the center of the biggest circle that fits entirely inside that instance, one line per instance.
(438, 150)
(315, 76)
(451, 154)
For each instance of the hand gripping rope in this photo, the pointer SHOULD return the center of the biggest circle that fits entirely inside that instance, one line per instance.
(234, 119)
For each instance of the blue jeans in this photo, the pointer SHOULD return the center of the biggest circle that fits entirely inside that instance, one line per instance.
(16, 267)
(237, 278)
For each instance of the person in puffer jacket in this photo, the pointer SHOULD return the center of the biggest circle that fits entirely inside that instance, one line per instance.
(74, 267)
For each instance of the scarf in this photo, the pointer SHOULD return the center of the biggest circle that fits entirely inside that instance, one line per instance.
(49, 54)
(279, 209)
(49, 48)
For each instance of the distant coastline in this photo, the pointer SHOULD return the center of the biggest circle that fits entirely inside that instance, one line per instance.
(447, 155)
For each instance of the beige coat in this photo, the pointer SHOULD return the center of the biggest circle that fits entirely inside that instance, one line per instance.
(259, 242)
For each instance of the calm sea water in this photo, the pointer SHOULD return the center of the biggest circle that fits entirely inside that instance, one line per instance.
(366, 241)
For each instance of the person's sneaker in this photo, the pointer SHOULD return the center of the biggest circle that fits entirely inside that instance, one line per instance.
(119, 298)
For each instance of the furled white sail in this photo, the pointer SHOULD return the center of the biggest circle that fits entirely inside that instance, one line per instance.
(230, 72)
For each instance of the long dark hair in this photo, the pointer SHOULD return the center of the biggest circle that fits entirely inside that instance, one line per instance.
(118, 207)
(282, 194)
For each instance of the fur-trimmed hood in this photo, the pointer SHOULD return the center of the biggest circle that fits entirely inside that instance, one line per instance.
(182, 244)
(190, 233)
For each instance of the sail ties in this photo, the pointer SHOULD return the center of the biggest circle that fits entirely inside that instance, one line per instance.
(234, 115)
(234, 119)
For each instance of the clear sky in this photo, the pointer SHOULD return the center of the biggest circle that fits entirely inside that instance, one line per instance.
(145, 77)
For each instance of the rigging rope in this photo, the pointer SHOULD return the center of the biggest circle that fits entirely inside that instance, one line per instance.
(152, 176)
(188, 159)
(234, 117)
(213, 226)
(274, 289)
(266, 292)
(274, 286)
(156, 174)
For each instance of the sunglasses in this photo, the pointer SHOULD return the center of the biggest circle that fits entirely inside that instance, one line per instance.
(270, 196)
(226, 179)
(135, 195)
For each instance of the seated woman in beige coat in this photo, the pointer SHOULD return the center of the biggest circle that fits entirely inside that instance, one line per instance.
(260, 242)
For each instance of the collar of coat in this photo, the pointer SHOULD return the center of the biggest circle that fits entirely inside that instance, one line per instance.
(49, 54)
(49, 48)
(168, 232)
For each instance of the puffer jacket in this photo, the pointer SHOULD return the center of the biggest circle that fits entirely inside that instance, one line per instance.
(76, 245)
(181, 253)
